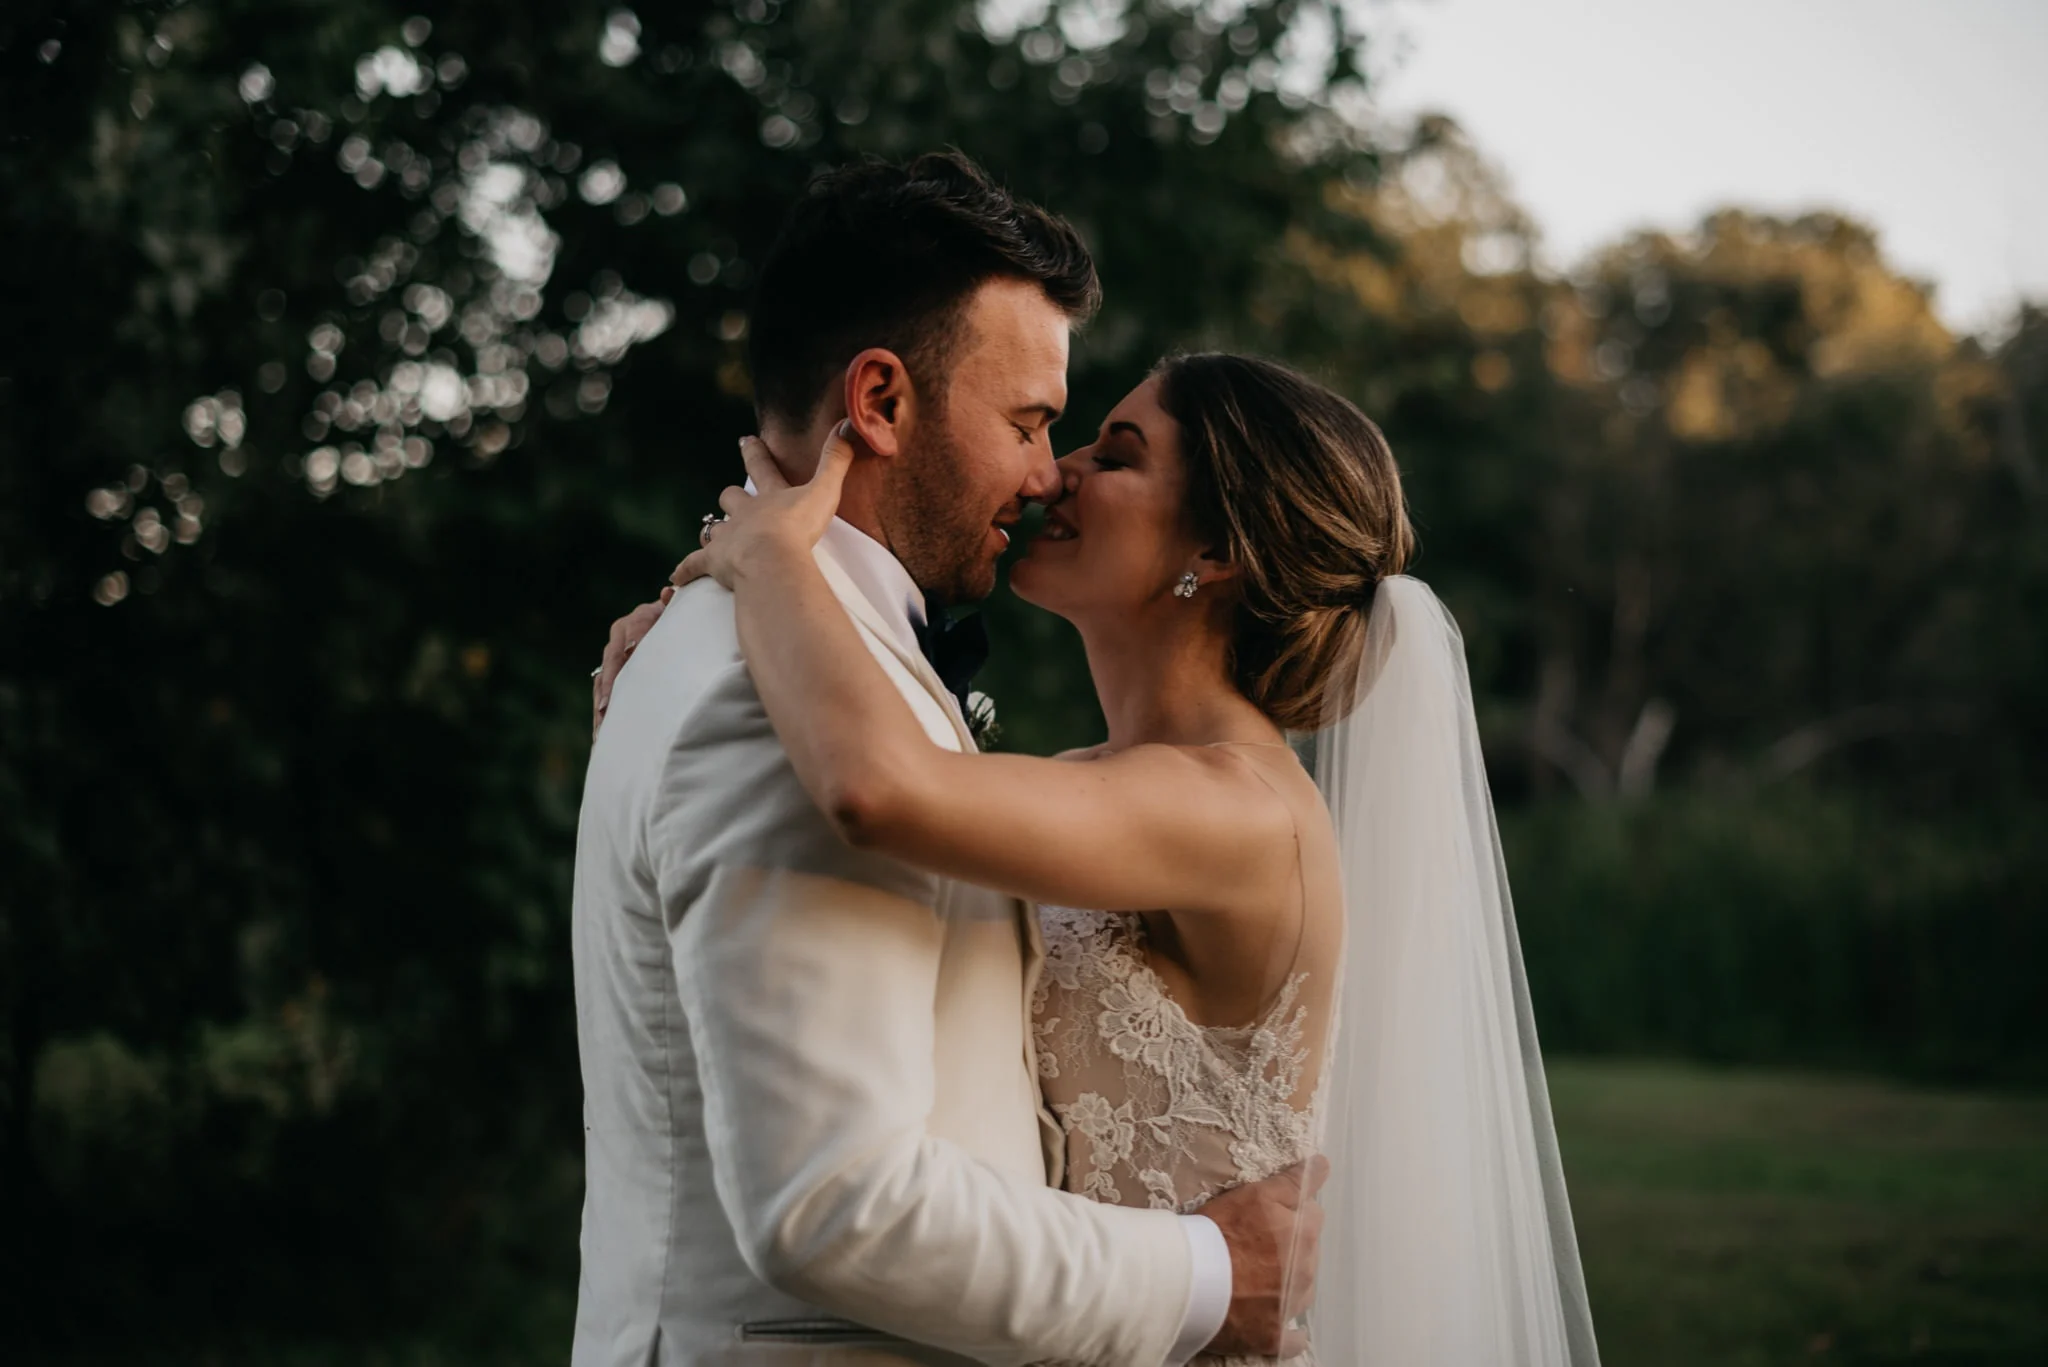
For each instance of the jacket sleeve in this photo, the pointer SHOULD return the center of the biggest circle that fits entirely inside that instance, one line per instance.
(807, 974)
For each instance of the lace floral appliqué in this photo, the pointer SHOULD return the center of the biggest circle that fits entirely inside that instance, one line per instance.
(1155, 1108)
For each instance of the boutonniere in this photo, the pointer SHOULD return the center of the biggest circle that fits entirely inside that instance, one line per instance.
(981, 721)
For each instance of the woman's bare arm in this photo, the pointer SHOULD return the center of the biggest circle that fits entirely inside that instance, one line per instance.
(1152, 827)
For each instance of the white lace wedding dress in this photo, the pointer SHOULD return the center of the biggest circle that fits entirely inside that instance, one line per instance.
(1448, 1237)
(1157, 1110)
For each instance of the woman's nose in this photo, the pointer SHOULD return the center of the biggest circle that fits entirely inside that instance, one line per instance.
(1070, 473)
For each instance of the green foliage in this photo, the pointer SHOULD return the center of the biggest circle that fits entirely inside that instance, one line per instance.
(1787, 926)
(364, 366)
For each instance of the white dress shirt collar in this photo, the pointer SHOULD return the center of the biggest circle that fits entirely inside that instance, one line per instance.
(879, 576)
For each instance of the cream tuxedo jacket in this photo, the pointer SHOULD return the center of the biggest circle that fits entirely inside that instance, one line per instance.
(813, 1132)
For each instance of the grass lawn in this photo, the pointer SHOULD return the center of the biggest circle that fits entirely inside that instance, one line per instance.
(1727, 1218)
(1734, 1217)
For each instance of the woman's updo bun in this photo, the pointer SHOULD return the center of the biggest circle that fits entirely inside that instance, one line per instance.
(1300, 492)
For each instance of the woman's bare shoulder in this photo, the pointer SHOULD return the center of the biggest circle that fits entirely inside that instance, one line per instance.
(1086, 752)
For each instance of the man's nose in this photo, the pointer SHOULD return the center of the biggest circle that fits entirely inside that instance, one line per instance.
(1045, 483)
(1066, 479)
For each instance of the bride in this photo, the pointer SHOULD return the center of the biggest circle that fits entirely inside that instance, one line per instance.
(1246, 964)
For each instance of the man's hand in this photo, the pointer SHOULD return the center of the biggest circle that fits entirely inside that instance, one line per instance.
(1274, 1229)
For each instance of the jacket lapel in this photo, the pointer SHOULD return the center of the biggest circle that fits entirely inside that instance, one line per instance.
(1052, 1141)
(868, 615)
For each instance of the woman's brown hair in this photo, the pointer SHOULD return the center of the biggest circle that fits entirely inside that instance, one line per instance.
(1299, 491)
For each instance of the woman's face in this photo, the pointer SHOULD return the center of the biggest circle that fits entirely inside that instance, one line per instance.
(1117, 540)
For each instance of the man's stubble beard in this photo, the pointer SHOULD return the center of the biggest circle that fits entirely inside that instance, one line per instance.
(931, 528)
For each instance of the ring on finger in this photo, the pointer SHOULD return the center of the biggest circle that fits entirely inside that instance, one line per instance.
(711, 520)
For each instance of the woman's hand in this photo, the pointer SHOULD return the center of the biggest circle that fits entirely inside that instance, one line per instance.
(627, 633)
(778, 518)
(781, 519)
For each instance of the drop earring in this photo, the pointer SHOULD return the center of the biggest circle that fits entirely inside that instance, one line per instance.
(1187, 585)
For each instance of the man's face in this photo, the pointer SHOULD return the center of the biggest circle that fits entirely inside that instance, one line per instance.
(969, 470)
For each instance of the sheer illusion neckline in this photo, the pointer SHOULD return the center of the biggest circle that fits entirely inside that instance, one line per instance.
(1136, 945)
(1155, 1109)
(1136, 937)
(1104, 750)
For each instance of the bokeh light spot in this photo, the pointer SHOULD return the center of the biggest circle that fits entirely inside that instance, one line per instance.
(602, 183)
(257, 84)
(619, 45)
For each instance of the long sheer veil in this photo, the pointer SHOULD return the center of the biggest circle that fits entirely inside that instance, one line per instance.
(1448, 1237)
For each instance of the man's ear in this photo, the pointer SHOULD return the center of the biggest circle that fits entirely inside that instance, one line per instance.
(880, 400)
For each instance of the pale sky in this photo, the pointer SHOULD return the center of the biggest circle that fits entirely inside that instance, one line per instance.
(1925, 118)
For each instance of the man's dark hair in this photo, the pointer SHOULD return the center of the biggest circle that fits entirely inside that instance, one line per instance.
(879, 255)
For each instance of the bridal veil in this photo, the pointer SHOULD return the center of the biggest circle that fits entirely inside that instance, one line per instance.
(1448, 1237)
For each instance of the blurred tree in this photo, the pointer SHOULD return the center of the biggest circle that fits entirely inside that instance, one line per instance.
(1748, 550)
(1734, 500)
(364, 364)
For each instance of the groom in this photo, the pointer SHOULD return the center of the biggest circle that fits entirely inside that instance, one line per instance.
(813, 1125)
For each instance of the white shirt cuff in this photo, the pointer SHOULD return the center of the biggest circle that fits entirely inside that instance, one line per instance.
(1208, 1288)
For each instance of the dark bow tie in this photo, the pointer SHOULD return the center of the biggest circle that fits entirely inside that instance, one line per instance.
(956, 649)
